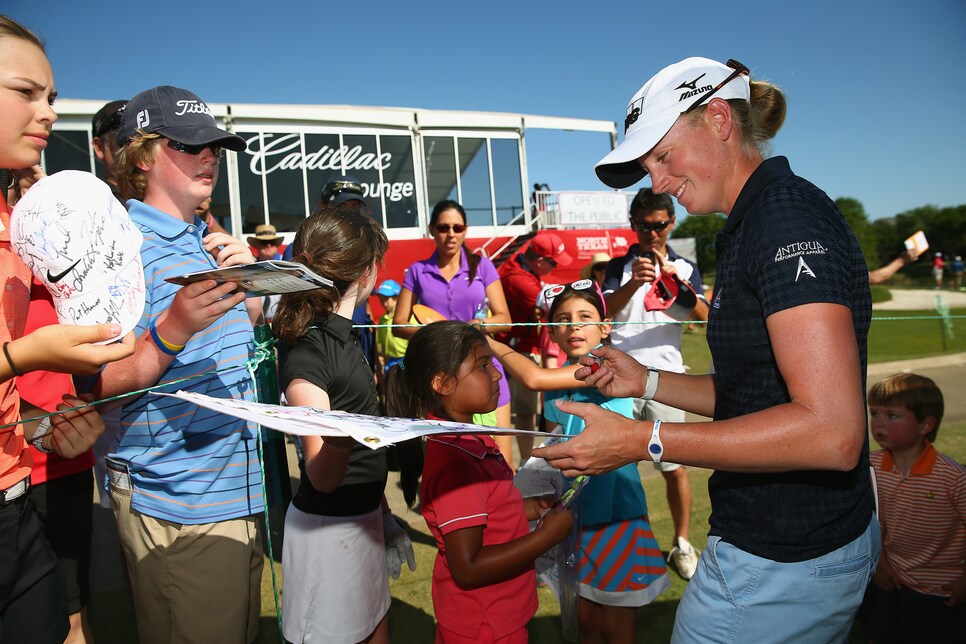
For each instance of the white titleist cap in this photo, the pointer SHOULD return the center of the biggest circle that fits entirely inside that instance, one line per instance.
(655, 107)
(79, 241)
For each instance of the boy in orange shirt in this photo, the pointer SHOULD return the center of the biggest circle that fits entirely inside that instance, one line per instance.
(919, 588)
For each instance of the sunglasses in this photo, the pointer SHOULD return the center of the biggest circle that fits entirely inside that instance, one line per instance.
(740, 70)
(266, 242)
(195, 150)
(644, 227)
(442, 229)
(553, 292)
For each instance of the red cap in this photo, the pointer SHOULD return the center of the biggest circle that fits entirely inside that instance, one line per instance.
(548, 244)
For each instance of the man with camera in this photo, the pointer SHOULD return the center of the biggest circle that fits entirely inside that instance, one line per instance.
(640, 290)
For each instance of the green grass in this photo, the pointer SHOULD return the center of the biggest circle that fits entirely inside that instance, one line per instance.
(901, 335)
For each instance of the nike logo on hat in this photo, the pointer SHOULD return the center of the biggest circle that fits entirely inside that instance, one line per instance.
(53, 279)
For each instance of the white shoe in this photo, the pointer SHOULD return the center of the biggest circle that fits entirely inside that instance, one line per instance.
(684, 557)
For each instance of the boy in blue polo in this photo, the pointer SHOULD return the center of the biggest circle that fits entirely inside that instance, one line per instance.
(185, 482)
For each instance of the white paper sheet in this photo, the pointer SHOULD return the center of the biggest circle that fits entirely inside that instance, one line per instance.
(371, 431)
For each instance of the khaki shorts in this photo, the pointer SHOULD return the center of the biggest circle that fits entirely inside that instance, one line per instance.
(653, 410)
(191, 583)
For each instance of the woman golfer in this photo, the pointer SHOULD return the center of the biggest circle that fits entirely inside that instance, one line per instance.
(793, 540)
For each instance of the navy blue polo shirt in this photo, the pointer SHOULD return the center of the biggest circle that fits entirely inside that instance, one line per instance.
(784, 244)
(330, 357)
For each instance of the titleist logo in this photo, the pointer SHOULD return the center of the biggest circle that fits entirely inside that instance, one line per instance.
(192, 107)
(284, 153)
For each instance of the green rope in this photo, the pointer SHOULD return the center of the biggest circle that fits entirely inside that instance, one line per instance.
(94, 403)
(883, 318)
(906, 318)
(264, 353)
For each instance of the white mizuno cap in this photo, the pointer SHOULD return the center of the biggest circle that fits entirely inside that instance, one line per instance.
(652, 111)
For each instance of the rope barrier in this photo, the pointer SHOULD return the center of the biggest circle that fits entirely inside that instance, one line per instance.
(265, 355)
(640, 322)
(258, 360)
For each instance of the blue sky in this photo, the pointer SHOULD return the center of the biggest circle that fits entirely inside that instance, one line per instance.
(875, 89)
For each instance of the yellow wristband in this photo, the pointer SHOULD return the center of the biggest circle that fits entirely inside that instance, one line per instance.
(164, 345)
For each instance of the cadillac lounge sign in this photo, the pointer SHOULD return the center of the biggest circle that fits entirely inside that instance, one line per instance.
(285, 153)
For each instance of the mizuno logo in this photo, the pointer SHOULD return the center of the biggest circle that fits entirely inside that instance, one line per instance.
(694, 92)
(53, 279)
(693, 85)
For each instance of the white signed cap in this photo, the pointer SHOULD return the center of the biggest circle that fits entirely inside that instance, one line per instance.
(79, 241)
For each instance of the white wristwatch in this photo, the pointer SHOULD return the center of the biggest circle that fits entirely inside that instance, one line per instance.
(653, 375)
(655, 448)
(38, 438)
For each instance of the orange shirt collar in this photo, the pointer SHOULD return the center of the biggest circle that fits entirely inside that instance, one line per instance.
(922, 466)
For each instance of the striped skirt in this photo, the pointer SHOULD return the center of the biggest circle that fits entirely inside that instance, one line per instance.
(621, 564)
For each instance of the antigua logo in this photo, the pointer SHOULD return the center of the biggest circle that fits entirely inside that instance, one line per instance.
(717, 299)
(798, 249)
(803, 268)
(693, 85)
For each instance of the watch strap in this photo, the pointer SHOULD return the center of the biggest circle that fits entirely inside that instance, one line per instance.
(653, 376)
(38, 438)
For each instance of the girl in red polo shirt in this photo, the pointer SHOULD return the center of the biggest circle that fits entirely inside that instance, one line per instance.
(484, 585)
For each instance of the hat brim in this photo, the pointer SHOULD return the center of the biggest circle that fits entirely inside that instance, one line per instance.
(620, 168)
(194, 135)
(345, 197)
(277, 240)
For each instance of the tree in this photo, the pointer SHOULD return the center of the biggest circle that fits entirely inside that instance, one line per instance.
(945, 228)
(855, 215)
(705, 230)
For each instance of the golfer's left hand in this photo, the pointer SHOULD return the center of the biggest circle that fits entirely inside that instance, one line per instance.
(607, 442)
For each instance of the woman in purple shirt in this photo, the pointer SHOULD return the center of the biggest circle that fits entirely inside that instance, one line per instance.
(457, 283)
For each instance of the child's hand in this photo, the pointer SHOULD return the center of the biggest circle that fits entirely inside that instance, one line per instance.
(557, 524)
(535, 506)
(885, 577)
(68, 348)
(957, 591)
(74, 432)
(227, 250)
(195, 307)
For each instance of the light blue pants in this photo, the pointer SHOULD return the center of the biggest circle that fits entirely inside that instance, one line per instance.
(737, 597)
